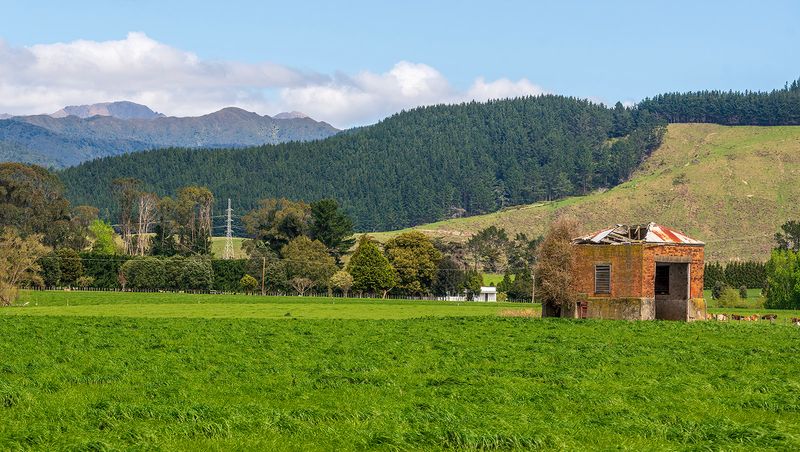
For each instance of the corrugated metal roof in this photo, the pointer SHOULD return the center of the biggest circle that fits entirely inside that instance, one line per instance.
(640, 233)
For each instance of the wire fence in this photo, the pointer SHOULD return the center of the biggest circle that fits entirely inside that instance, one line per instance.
(334, 295)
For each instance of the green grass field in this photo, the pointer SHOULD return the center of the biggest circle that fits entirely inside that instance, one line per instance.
(218, 247)
(493, 279)
(730, 186)
(103, 371)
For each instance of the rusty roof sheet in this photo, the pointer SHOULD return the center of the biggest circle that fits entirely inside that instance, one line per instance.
(640, 233)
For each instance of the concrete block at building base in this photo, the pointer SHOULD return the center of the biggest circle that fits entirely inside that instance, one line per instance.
(630, 308)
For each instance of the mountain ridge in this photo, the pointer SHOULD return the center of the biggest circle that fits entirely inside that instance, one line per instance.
(118, 109)
(101, 135)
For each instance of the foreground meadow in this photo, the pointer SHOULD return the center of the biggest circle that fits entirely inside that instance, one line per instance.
(426, 382)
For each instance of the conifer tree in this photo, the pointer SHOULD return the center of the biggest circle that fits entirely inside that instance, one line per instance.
(371, 271)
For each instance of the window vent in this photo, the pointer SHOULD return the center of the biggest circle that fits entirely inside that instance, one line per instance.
(602, 278)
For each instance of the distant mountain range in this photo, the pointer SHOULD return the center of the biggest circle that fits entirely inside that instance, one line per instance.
(76, 134)
(121, 110)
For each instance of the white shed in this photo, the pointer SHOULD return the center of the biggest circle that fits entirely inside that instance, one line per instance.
(487, 294)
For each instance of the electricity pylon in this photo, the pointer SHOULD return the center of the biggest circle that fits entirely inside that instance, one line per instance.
(228, 253)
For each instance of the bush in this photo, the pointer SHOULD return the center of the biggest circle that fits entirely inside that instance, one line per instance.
(145, 273)
(716, 292)
(174, 267)
(84, 281)
(228, 274)
(188, 273)
(71, 266)
(248, 284)
(103, 268)
(743, 292)
(729, 298)
(197, 274)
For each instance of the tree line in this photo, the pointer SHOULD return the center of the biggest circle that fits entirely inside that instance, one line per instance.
(750, 274)
(773, 108)
(293, 246)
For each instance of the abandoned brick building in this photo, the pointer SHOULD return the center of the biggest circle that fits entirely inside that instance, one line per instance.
(639, 272)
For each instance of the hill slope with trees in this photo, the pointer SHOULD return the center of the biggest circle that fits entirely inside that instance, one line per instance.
(414, 167)
(732, 187)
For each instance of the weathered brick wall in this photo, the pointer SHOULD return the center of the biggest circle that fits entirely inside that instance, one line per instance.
(693, 252)
(626, 269)
(633, 268)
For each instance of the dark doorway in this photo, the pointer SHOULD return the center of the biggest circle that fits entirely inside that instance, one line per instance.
(672, 290)
(662, 279)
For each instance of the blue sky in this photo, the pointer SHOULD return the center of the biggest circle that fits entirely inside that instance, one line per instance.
(606, 50)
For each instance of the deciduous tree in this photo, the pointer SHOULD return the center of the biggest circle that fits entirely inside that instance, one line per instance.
(248, 284)
(414, 258)
(306, 258)
(18, 262)
(276, 222)
(126, 192)
(342, 281)
(102, 235)
(555, 264)
(32, 202)
(301, 285)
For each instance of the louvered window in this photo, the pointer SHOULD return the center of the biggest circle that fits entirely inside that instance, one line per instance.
(602, 278)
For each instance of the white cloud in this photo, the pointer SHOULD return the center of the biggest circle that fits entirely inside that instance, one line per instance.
(45, 77)
(368, 96)
(502, 88)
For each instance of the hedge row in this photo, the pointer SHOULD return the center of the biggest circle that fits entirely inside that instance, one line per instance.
(103, 271)
(752, 275)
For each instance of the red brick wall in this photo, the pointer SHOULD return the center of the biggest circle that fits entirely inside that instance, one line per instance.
(632, 268)
(626, 269)
(696, 267)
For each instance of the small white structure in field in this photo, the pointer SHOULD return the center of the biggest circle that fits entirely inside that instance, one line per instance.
(487, 294)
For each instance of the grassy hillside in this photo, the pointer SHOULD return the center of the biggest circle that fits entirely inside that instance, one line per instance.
(729, 186)
(218, 247)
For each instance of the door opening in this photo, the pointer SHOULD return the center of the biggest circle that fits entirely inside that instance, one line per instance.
(671, 290)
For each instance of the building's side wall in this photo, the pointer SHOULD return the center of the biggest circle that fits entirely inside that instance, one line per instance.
(626, 269)
(693, 254)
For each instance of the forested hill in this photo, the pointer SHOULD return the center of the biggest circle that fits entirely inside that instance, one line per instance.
(414, 167)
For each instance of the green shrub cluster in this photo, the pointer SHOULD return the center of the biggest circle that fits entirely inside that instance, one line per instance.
(102, 271)
(228, 273)
(783, 280)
